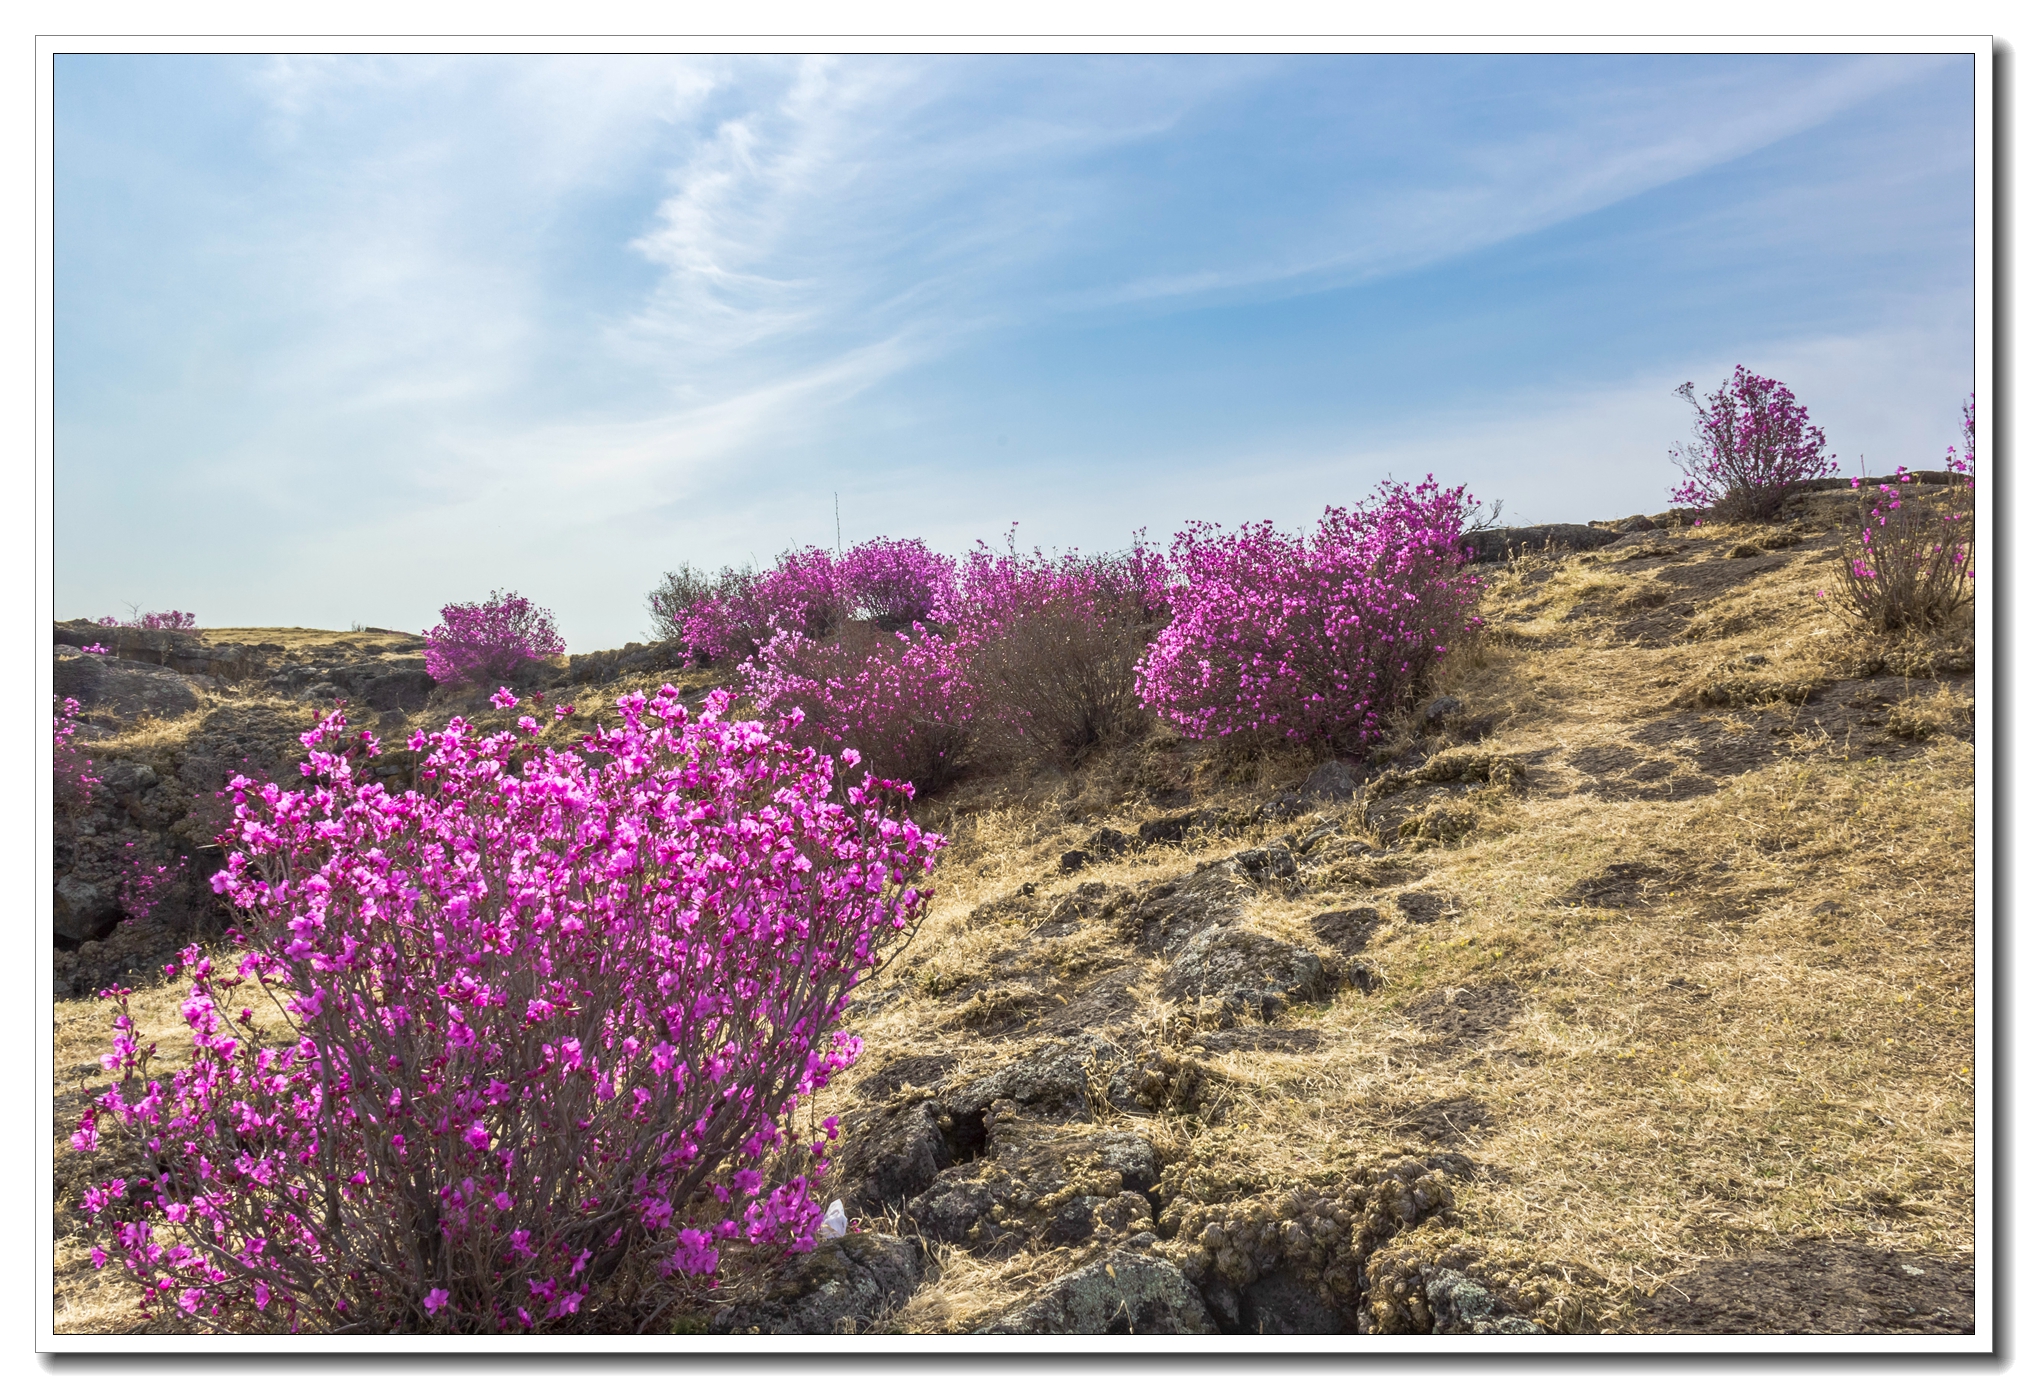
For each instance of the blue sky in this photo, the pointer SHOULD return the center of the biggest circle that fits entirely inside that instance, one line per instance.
(345, 339)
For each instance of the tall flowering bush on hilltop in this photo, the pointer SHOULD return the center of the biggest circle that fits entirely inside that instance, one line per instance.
(671, 602)
(547, 1019)
(1911, 565)
(1754, 445)
(486, 640)
(1964, 464)
(1054, 643)
(895, 583)
(1312, 637)
(1013, 653)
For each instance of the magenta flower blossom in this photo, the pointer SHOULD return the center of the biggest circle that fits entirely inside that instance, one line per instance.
(895, 583)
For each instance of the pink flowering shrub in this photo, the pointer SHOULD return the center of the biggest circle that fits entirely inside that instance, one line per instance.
(545, 1022)
(902, 700)
(1312, 637)
(74, 781)
(803, 593)
(486, 640)
(1053, 645)
(895, 583)
(1911, 566)
(143, 884)
(1754, 444)
(742, 610)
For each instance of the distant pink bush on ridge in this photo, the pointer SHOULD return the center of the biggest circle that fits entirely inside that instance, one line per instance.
(1754, 445)
(486, 640)
(171, 620)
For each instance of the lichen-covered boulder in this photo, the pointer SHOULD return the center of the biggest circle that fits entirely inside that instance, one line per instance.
(1173, 913)
(126, 688)
(1114, 1294)
(1247, 970)
(1057, 1078)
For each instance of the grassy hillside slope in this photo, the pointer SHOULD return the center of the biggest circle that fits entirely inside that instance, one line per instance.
(1631, 982)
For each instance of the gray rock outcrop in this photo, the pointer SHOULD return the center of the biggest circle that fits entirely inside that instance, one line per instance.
(1115, 1294)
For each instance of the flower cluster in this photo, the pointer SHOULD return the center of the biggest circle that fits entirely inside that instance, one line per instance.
(740, 611)
(1754, 444)
(1312, 637)
(929, 668)
(143, 884)
(543, 1022)
(1911, 566)
(895, 583)
(1964, 463)
(486, 640)
(74, 780)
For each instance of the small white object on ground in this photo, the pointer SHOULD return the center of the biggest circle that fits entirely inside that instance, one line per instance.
(834, 1225)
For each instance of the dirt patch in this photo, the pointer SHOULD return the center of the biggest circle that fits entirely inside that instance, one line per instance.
(1444, 1120)
(1346, 931)
(1817, 1288)
(1000, 1011)
(1658, 626)
(1620, 886)
(1741, 741)
(1859, 714)
(1460, 1017)
(1091, 901)
(1423, 907)
(1386, 818)
(1614, 771)
(1855, 717)
(1259, 1039)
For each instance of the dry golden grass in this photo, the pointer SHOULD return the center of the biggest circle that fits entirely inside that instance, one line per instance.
(300, 641)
